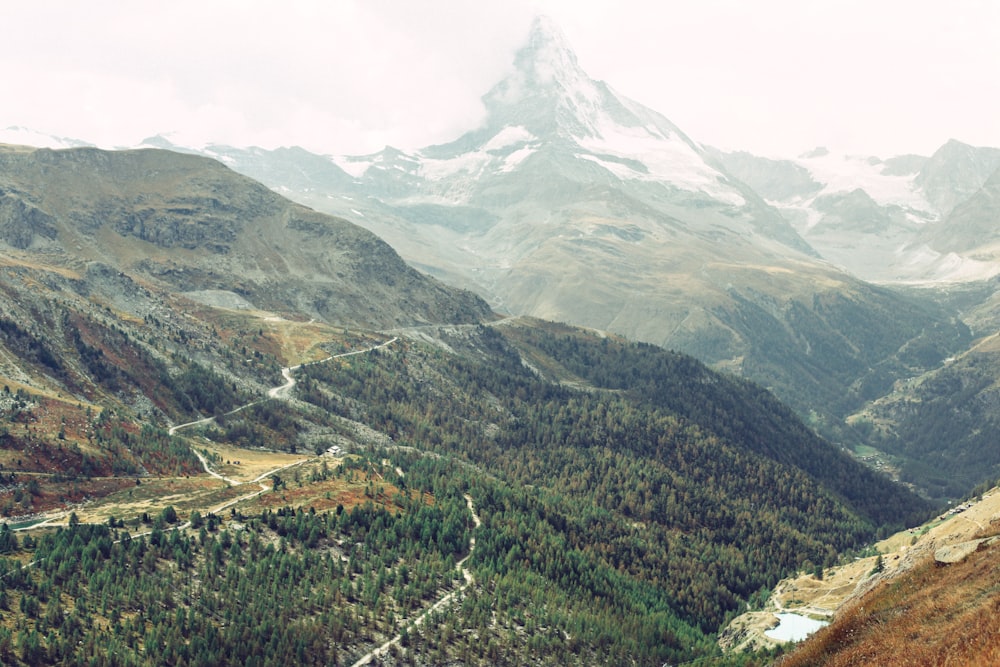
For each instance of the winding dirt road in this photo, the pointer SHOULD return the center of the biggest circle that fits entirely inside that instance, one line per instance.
(281, 391)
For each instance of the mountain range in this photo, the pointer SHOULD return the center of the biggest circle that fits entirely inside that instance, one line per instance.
(176, 337)
(825, 278)
(904, 220)
(359, 445)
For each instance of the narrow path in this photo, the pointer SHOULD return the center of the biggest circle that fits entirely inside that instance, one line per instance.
(204, 464)
(281, 391)
(973, 521)
(278, 392)
(275, 392)
(447, 599)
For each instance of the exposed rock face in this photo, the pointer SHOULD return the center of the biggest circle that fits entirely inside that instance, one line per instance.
(956, 553)
(21, 224)
(955, 172)
(972, 224)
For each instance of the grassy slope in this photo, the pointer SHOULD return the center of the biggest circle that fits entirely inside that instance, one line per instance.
(932, 615)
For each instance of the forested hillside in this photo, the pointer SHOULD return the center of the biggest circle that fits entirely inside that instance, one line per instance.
(703, 476)
(630, 502)
(242, 443)
(737, 410)
(942, 425)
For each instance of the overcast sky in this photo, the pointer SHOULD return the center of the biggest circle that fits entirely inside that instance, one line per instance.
(775, 77)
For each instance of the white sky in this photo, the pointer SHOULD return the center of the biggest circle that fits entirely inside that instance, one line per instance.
(775, 77)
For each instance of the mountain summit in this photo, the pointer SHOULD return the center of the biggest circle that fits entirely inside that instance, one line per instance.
(546, 60)
(548, 92)
(573, 203)
(548, 101)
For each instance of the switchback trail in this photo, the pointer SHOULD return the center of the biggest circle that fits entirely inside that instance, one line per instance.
(281, 391)
(419, 620)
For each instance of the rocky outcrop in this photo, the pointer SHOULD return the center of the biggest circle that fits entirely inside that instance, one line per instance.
(22, 224)
(956, 553)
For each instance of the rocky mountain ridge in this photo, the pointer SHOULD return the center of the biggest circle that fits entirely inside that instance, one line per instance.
(908, 219)
(191, 223)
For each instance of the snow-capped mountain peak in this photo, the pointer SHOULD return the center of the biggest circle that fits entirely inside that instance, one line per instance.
(547, 56)
(549, 100)
(547, 91)
(28, 137)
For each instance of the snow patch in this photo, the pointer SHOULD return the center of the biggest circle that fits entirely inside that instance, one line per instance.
(22, 136)
(509, 136)
(471, 163)
(475, 163)
(515, 158)
(802, 215)
(930, 266)
(845, 173)
(354, 166)
(667, 157)
(916, 219)
(955, 268)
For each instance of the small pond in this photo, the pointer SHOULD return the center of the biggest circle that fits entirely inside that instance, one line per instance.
(794, 627)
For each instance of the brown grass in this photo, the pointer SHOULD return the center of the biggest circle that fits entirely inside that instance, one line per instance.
(246, 465)
(16, 259)
(326, 495)
(40, 392)
(931, 615)
(290, 340)
(152, 495)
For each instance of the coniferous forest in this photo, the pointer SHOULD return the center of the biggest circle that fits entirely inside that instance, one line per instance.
(627, 502)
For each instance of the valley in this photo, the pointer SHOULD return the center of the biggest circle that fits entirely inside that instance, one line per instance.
(571, 388)
(826, 278)
(948, 538)
(387, 450)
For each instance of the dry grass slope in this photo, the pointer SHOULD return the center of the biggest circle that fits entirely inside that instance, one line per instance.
(932, 615)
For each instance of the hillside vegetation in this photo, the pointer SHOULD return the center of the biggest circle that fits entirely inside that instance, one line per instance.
(190, 478)
(931, 615)
(608, 515)
(942, 425)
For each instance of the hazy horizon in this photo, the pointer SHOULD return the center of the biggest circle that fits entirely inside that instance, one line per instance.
(773, 78)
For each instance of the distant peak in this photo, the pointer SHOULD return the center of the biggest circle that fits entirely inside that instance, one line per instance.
(546, 88)
(544, 25)
(157, 141)
(954, 146)
(547, 37)
(549, 95)
(547, 55)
